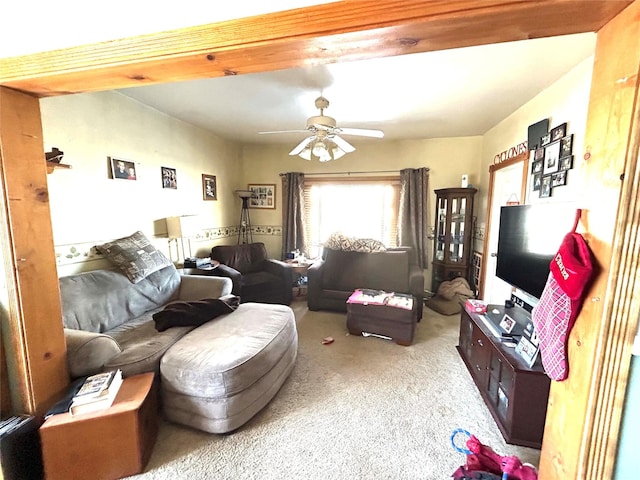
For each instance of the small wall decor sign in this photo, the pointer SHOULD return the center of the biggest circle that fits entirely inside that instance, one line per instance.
(122, 169)
(209, 187)
(263, 195)
(169, 179)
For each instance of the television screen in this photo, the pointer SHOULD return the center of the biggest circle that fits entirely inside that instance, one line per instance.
(528, 239)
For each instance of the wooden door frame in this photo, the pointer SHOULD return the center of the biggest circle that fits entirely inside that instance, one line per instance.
(524, 158)
(313, 35)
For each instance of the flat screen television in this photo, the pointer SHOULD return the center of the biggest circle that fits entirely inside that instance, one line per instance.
(528, 239)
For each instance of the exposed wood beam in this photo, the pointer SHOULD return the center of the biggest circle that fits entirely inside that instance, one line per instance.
(320, 34)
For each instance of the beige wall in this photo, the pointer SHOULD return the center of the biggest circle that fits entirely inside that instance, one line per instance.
(564, 101)
(88, 207)
(446, 158)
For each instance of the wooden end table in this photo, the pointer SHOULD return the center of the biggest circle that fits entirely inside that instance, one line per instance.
(301, 270)
(104, 445)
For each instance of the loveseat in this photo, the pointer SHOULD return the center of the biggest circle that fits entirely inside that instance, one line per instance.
(334, 277)
(108, 321)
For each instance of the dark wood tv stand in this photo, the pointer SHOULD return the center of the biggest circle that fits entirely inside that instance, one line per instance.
(515, 394)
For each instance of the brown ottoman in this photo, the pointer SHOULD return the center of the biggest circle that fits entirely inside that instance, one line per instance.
(389, 321)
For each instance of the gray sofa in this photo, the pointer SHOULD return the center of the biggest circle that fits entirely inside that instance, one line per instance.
(108, 320)
(334, 277)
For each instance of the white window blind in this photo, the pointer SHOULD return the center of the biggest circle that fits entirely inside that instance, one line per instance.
(363, 207)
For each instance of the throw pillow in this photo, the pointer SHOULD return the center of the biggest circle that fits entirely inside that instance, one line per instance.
(338, 241)
(135, 256)
(195, 313)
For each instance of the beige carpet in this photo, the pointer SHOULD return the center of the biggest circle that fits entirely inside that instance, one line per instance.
(360, 408)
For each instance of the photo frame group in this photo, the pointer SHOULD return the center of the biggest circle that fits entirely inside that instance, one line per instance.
(263, 195)
(122, 169)
(552, 161)
(209, 187)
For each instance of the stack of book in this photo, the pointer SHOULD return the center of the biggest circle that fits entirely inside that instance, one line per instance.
(96, 393)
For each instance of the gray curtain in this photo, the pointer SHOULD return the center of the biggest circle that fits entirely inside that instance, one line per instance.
(412, 217)
(293, 213)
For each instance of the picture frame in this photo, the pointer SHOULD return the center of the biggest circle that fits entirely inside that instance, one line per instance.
(529, 345)
(551, 157)
(122, 169)
(565, 163)
(539, 154)
(169, 179)
(545, 186)
(209, 187)
(559, 178)
(537, 181)
(537, 166)
(263, 195)
(507, 323)
(566, 145)
(545, 140)
(558, 132)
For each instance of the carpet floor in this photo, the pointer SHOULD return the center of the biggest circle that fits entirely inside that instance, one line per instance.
(358, 408)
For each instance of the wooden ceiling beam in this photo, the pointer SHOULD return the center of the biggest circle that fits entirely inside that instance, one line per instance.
(313, 35)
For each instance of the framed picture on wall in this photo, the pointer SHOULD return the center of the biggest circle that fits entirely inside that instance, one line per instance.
(263, 195)
(537, 181)
(566, 163)
(169, 177)
(551, 157)
(558, 132)
(122, 169)
(566, 145)
(545, 186)
(209, 187)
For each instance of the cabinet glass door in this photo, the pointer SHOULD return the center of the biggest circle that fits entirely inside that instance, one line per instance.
(441, 230)
(457, 227)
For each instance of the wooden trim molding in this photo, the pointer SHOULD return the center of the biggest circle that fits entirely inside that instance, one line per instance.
(318, 34)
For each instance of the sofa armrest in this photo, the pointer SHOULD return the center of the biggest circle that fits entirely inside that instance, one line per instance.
(314, 284)
(280, 269)
(87, 352)
(198, 287)
(226, 271)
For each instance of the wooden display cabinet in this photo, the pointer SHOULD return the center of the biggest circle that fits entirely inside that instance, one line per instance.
(453, 234)
(515, 394)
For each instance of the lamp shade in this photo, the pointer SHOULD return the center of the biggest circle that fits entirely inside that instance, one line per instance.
(184, 226)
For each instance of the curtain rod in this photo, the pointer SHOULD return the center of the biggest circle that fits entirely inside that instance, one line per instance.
(347, 173)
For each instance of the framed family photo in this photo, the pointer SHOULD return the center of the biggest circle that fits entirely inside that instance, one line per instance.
(551, 157)
(558, 132)
(169, 177)
(263, 195)
(123, 169)
(209, 187)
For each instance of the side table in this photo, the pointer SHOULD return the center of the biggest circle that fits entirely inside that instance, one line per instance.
(104, 445)
(300, 284)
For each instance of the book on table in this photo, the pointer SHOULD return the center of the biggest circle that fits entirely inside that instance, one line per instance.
(97, 393)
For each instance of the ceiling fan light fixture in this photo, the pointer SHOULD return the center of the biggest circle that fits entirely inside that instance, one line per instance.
(306, 153)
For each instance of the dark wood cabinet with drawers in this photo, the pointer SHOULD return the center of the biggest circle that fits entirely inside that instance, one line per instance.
(515, 394)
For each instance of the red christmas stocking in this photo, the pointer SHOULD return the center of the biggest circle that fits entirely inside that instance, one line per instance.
(560, 303)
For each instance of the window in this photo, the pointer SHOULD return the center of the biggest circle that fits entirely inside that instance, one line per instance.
(364, 207)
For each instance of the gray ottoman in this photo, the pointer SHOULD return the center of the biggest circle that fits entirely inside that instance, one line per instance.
(218, 376)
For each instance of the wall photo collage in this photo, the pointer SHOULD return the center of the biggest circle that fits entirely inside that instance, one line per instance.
(552, 161)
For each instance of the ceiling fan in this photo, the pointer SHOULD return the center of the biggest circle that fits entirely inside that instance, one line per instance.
(324, 141)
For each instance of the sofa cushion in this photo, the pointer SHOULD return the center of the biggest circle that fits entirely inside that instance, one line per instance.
(135, 256)
(101, 300)
(142, 345)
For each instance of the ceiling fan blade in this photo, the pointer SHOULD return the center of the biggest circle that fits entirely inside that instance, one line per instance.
(343, 144)
(283, 131)
(301, 146)
(363, 132)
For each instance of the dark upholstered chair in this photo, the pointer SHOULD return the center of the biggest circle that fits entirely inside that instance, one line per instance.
(255, 277)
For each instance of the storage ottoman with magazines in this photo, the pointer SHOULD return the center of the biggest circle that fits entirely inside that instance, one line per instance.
(386, 314)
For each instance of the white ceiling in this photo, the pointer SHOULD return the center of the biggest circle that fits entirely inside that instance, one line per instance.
(459, 92)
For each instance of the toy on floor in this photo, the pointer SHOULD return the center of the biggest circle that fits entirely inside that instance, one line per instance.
(485, 464)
